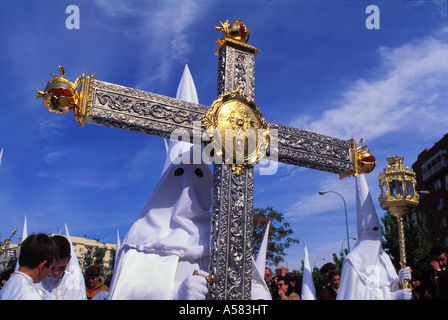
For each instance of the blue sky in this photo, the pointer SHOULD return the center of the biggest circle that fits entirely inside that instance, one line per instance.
(319, 69)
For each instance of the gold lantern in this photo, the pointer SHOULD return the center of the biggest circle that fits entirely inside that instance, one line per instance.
(398, 195)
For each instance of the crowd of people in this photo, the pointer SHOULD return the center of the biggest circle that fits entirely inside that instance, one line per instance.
(44, 272)
(44, 262)
(430, 283)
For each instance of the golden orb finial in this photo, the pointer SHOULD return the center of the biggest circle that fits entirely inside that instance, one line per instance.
(60, 95)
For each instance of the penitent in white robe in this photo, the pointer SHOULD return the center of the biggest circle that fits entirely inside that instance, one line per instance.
(20, 287)
(171, 237)
(367, 271)
(70, 285)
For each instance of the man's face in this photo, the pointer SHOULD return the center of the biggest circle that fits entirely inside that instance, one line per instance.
(267, 275)
(282, 286)
(59, 267)
(439, 261)
(44, 271)
(335, 281)
(442, 259)
(91, 281)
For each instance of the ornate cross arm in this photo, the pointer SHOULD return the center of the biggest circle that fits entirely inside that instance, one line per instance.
(135, 110)
(116, 106)
(311, 150)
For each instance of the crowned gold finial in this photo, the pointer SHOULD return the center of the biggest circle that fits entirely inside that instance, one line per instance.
(395, 161)
(236, 30)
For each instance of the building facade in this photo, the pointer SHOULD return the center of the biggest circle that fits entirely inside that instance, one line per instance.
(431, 169)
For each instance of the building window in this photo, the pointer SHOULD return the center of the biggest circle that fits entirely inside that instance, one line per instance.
(443, 223)
(446, 182)
(413, 218)
(440, 204)
(437, 185)
(445, 242)
(434, 164)
(420, 214)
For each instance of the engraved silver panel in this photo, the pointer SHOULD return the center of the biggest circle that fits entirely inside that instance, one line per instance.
(236, 68)
(135, 110)
(231, 234)
(312, 150)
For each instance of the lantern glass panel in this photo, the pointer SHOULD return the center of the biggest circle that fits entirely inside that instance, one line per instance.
(395, 187)
(383, 189)
(409, 188)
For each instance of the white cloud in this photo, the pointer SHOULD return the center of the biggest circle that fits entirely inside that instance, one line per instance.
(411, 94)
(164, 28)
(52, 157)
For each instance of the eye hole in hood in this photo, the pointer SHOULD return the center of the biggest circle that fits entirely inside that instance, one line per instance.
(178, 172)
(199, 172)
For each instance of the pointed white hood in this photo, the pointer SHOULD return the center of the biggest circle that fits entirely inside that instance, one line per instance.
(187, 90)
(368, 225)
(74, 284)
(260, 290)
(368, 247)
(176, 218)
(24, 236)
(308, 288)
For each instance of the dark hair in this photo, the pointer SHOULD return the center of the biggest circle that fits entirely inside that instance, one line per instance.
(35, 249)
(92, 271)
(437, 251)
(62, 246)
(287, 282)
(333, 273)
(327, 267)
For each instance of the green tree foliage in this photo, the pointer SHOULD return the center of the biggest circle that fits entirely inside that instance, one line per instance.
(96, 256)
(417, 241)
(279, 234)
(338, 260)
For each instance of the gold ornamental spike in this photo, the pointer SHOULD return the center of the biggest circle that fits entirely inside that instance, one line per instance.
(3, 247)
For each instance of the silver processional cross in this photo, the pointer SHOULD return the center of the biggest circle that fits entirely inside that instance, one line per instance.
(126, 108)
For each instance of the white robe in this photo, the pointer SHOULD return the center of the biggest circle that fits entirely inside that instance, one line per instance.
(375, 282)
(67, 287)
(20, 287)
(367, 271)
